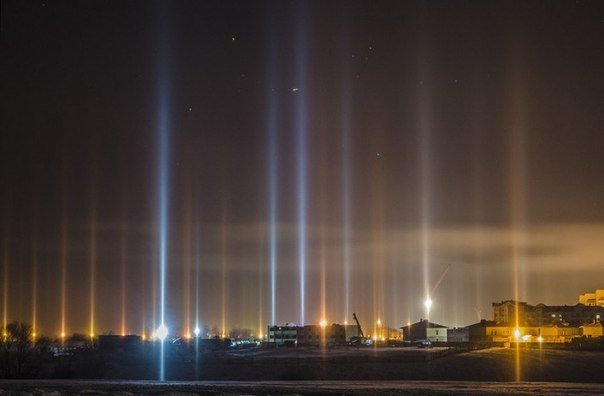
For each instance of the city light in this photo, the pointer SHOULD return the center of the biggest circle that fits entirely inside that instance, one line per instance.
(196, 331)
(517, 334)
(162, 332)
(323, 323)
(428, 305)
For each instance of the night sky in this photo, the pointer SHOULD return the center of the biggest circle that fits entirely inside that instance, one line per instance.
(392, 142)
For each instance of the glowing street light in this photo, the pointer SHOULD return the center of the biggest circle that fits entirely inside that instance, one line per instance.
(197, 331)
(379, 322)
(323, 323)
(517, 334)
(162, 332)
(428, 305)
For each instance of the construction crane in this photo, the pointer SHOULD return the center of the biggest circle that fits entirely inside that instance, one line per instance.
(360, 339)
(354, 316)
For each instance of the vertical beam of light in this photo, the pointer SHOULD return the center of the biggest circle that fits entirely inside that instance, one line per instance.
(5, 258)
(223, 274)
(377, 256)
(154, 275)
(517, 182)
(187, 252)
(123, 270)
(273, 160)
(163, 191)
(92, 254)
(34, 272)
(197, 275)
(323, 207)
(478, 123)
(197, 330)
(424, 180)
(63, 263)
(261, 242)
(345, 122)
(163, 182)
(301, 143)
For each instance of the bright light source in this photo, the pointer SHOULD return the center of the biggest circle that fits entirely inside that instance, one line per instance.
(144, 337)
(374, 338)
(196, 331)
(323, 323)
(540, 339)
(33, 335)
(91, 335)
(379, 322)
(526, 337)
(517, 334)
(63, 335)
(383, 339)
(161, 332)
(345, 323)
(428, 304)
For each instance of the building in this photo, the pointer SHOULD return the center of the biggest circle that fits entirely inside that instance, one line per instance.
(383, 333)
(458, 334)
(283, 335)
(491, 331)
(595, 329)
(425, 330)
(311, 334)
(595, 299)
(507, 312)
(315, 334)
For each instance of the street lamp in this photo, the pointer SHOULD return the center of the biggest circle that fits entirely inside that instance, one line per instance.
(162, 332)
(428, 305)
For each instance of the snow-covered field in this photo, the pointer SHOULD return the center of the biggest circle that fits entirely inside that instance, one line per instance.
(126, 388)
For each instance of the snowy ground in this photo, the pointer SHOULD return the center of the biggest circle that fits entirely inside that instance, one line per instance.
(126, 388)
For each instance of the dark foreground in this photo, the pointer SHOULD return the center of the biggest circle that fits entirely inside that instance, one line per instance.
(126, 388)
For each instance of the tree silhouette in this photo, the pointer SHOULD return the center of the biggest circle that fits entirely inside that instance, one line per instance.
(21, 352)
